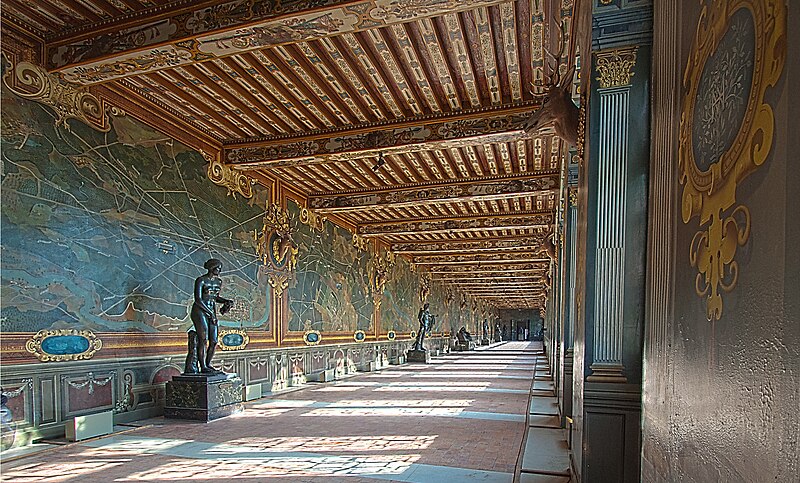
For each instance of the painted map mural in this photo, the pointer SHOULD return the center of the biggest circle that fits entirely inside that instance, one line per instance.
(107, 231)
(445, 306)
(331, 289)
(400, 300)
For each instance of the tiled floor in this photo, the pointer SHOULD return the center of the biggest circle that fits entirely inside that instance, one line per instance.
(460, 419)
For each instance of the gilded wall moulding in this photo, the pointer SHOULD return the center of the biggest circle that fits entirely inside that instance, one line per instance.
(726, 131)
(61, 345)
(279, 282)
(274, 244)
(381, 268)
(69, 101)
(424, 287)
(312, 219)
(615, 67)
(233, 339)
(360, 242)
(223, 175)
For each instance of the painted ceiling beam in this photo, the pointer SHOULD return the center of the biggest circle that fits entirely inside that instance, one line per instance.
(431, 194)
(484, 223)
(413, 248)
(519, 267)
(465, 128)
(476, 258)
(159, 37)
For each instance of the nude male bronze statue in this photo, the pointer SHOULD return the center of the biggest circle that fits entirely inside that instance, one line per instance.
(203, 339)
(425, 323)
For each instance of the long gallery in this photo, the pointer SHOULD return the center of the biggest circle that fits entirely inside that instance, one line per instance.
(417, 241)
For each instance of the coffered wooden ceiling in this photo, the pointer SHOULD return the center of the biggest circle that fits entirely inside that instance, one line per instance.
(401, 117)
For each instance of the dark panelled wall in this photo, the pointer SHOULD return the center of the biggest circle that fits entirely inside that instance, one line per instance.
(720, 397)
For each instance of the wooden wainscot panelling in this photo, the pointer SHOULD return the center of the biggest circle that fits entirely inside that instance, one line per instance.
(319, 361)
(47, 401)
(88, 393)
(257, 369)
(19, 401)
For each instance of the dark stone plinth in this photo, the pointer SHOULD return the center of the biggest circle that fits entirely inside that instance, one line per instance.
(465, 346)
(203, 397)
(418, 356)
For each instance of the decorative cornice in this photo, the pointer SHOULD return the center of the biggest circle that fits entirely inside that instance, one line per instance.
(615, 67)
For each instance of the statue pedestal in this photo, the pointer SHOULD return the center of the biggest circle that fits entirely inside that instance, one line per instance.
(418, 356)
(203, 397)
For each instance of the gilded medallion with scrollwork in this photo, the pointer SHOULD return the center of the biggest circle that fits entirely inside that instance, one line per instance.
(726, 131)
(61, 345)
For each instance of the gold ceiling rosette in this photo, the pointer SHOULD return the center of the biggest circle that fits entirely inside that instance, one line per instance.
(726, 131)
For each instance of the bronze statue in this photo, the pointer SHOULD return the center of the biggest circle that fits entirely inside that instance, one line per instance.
(425, 324)
(203, 339)
(464, 337)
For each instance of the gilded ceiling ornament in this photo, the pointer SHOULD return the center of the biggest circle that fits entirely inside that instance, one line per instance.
(63, 345)
(726, 131)
(69, 101)
(224, 175)
(615, 67)
(312, 219)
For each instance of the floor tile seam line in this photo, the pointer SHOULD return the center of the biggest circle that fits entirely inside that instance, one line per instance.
(545, 472)
(523, 443)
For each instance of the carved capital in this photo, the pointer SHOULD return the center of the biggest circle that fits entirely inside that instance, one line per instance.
(615, 67)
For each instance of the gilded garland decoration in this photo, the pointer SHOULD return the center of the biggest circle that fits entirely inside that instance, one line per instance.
(726, 131)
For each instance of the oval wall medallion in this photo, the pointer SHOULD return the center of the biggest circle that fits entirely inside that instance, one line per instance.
(359, 336)
(63, 345)
(391, 335)
(413, 334)
(233, 339)
(312, 337)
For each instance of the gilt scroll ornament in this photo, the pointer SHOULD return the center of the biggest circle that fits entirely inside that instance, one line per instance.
(69, 101)
(223, 175)
(726, 131)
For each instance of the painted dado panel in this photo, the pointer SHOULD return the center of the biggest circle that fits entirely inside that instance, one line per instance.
(106, 231)
(721, 369)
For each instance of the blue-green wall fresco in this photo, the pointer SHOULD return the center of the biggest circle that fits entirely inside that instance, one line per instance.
(107, 231)
(400, 300)
(330, 290)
